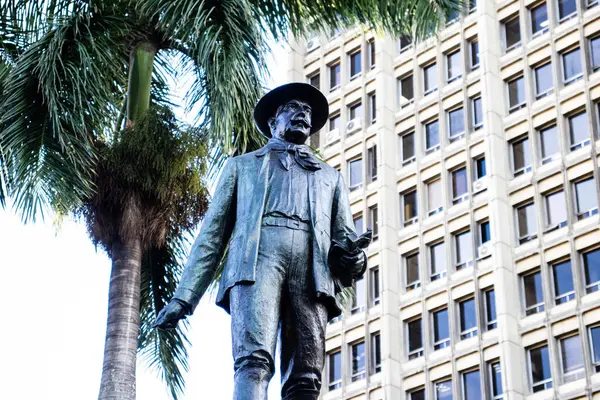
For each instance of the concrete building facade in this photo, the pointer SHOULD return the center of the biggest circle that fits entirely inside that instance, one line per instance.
(474, 155)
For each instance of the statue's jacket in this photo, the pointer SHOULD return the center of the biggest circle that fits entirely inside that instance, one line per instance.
(234, 217)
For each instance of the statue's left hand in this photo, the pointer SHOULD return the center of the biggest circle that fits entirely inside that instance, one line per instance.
(168, 317)
(353, 262)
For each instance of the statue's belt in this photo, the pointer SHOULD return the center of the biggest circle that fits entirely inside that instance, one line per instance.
(271, 220)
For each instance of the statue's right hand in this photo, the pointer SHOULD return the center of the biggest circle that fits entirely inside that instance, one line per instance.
(168, 317)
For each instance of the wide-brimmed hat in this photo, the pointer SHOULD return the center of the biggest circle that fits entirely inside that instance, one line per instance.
(270, 102)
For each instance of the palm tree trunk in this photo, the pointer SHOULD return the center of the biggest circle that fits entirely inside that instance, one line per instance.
(123, 325)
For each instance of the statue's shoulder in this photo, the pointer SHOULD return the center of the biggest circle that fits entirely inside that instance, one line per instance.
(328, 171)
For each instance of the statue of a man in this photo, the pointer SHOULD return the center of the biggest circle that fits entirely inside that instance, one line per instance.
(292, 247)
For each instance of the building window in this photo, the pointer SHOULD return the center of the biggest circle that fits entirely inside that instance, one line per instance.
(539, 19)
(496, 386)
(522, 157)
(549, 143)
(415, 339)
(468, 318)
(335, 370)
(579, 134)
(441, 329)
(564, 289)
(595, 53)
(594, 335)
(374, 221)
(355, 64)
(473, 54)
(464, 250)
(454, 64)
(407, 144)
(543, 80)
(355, 111)
(479, 167)
(372, 108)
(418, 394)
(512, 33)
(429, 78)
(432, 137)
(539, 368)
(571, 63)
(456, 124)
(556, 210)
(586, 200)
(358, 223)
(534, 296)
(437, 254)
(359, 365)
(356, 178)
(571, 358)
(452, 16)
(334, 77)
(489, 302)
(472, 6)
(372, 163)
(566, 10)
(484, 232)
(358, 301)
(375, 353)
(526, 223)
(371, 48)
(443, 390)
(404, 43)
(460, 186)
(477, 113)
(315, 80)
(471, 385)
(591, 267)
(413, 279)
(406, 91)
(516, 94)
(374, 286)
(410, 208)
(334, 122)
(435, 202)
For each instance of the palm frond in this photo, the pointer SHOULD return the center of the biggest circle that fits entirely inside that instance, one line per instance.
(61, 95)
(165, 351)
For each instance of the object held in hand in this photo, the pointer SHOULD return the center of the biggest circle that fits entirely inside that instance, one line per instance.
(339, 252)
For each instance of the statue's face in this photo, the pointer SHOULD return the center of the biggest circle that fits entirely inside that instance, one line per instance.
(292, 122)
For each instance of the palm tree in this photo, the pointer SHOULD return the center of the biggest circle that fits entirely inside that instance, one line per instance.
(78, 133)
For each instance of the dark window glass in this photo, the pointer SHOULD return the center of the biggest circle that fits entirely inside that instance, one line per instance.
(540, 368)
(410, 206)
(358, 223)
(556, 209)
(595, 50)
(372, 54)
(512, 31)
(477, 113)
(438, 260)
(480, 168)
(417, 395)
(452, 16)
(355, 64)
(372, 107)
(374, 221)
(454, 65)
(358, 361)
(334, 122)
(375, 353)
(522, 158)
(315, 80)
(591, 266)
(496, 379)
(441, 329)
(406, 90)
(404, 43)
(566, 8)
(372, 163)
(412, 271)
(571, 65)
(459, 183)
(549, 143)
(490, 309)
(472, 385)
(356, 173)
(335, 370)
(534, 297)
(585, 197)
(415, 338)
(578, 130)
(484, 231)
(443, 390)
(374, 286)
(516, 93)
(355, 110)
(468, 317)
(539, 18)
(334, 76)
(430, 78)
(456, 119)
(571, 355)
(595, 345)
(474, 59)
(527, 225)
(543, 80)
(464, 249)
(432, 135)
(408, 146)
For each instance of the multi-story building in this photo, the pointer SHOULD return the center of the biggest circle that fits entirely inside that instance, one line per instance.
(474, 157)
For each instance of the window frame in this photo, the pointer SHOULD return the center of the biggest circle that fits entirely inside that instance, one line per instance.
(419, 352)
(461, 198)
(549, 91)
(414, 148)
(591, 211)
(372, 104)
(472, 332)
(540, 132)
(517, 44)
(375, 367)
(537, 307)
(372, 170)
(566, 17)
(490, 368)
(442, 274)
(462, 381)
(445, 342)
(336, 64)
(474, 41)
(461, 134)
(595, 363)
(351, 55)
(436, 147)
(543, 29)
(453, 53)
(549, 227)
(337, 384)
(467, 263)
(592, 286)
(593, 67)
(438, 382)
(413, 220)
(358, 375)
(409, 286)
(583, 143)
(436, 83)
(530, 235)
(401, 93)
(438, 210)
(375, 285)
(493, 324)
(475, 124)
(525, 168)
(573, 375)
(568, 81)
(544, 382)
(518, 106)
(371, 54)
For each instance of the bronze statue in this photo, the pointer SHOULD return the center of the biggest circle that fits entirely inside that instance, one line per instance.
(292, 247)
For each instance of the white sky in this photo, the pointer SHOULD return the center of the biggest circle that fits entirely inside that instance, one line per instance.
(53, 292)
